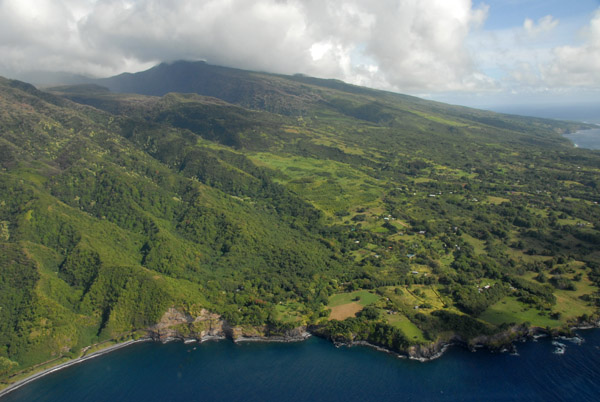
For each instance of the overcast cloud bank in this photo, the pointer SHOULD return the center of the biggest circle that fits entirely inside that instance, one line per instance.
(411, 46)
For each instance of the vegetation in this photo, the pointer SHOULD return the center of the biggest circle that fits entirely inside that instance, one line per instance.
(297, 197)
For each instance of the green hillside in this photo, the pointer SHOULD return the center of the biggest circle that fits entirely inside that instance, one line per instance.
(281, 201)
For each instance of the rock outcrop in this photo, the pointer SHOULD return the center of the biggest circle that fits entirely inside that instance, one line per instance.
(176, 325)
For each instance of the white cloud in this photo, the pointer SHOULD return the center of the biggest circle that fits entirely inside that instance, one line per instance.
(422, 44)
(397, 44)
(544, 25)
(577, 66)
(541, 57)
(319, 49)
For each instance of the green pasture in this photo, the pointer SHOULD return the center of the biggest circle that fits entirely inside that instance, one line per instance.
(509, 310)
(364, 298)
(331, 186)
(410, 330)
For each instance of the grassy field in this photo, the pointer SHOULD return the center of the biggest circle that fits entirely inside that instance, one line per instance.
(478, 245)
(409, 329)
(345, 305)
(361, 297)
(331, 186)
(569, 306)
(510, 310)
(496, 200)
(568, 302)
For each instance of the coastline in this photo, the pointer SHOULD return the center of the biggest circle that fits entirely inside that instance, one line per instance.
(421, 353)
(435, 350)
(206, 338)
(585, 139)
(302, 336)
(69, 363)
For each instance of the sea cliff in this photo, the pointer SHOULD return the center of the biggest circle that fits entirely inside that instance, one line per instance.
(177, 325)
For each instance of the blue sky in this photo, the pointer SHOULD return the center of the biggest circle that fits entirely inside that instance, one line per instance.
(470, 52)
(511, 13)
(571, 17)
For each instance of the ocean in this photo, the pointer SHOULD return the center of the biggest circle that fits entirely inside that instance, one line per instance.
(315, 370)
(589, 139)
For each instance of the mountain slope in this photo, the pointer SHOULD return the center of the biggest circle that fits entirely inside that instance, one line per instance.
(98, 223)
(284, 201)
(297, 95)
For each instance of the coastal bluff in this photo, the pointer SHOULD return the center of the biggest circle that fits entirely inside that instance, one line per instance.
(177, 325)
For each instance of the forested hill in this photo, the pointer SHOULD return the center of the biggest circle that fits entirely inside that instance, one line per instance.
(283, 201)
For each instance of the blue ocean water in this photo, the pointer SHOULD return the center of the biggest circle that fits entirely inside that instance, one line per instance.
(315, 370)
(589, 139)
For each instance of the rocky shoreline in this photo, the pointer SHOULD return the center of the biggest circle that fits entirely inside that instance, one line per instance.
(209, 326)
(178, 326)
(503, 342)
(175, 325)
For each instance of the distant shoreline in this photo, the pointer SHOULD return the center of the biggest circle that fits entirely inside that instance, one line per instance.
(585, 139)
(66, 364)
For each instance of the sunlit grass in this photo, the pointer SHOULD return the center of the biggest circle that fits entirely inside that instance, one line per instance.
(362, 297)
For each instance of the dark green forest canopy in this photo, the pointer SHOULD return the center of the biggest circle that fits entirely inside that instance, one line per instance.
(284, 201)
